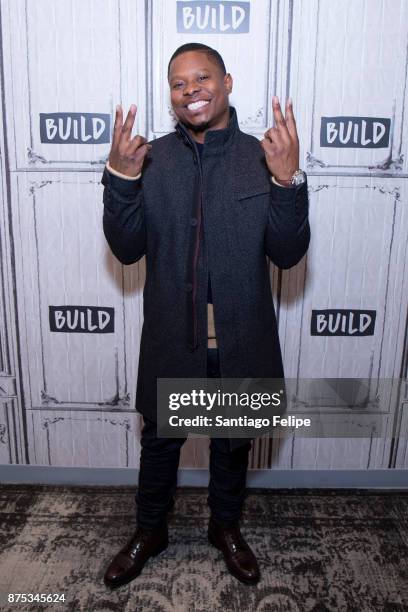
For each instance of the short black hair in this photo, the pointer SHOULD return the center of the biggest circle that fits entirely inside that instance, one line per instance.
(198, 47)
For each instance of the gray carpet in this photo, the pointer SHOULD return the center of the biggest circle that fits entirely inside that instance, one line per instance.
(318, 551)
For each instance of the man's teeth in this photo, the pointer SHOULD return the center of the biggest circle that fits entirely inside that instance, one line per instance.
(198, 104)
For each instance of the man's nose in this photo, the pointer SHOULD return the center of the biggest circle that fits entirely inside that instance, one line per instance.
(191, 88)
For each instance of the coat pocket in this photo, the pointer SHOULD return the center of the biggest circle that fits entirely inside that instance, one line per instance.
(254, 193)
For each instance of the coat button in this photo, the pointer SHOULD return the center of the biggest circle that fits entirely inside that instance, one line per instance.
(193, 222)
(189, 287)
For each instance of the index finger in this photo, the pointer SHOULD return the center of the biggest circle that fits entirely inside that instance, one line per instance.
(130, 119)
(290, 119)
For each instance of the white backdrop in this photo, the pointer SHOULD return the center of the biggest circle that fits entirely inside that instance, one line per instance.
(68, 380)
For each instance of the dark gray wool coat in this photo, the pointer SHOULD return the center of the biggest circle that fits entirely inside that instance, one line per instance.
(223, 216)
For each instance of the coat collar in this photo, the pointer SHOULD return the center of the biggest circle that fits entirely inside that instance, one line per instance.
(215, 140)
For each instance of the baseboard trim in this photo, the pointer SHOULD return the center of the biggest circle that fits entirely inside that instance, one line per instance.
(269, 479)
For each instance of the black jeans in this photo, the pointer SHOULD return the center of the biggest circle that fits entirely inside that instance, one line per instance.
(159, 461)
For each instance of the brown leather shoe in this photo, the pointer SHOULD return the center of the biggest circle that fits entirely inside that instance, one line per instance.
(238, 556)
(130, 560)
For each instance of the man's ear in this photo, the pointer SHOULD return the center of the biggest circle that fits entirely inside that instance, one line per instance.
(228, 82)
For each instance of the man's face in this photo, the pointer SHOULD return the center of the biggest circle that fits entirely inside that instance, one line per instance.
(199, 91)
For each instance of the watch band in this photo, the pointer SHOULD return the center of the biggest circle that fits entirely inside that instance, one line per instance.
(287, 182)
(273, 179)
(292, 182)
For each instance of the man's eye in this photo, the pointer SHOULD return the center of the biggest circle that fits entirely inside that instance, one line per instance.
(203, 77)
(177, 85)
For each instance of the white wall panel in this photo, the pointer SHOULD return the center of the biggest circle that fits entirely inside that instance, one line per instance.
(9, 424)
(355, 260)
(251, 58)
(12, 433)
(347, 64)
(64, 260)
(83, 439)
(70, 57)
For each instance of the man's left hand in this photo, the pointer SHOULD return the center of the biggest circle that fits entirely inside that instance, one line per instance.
(281, 143)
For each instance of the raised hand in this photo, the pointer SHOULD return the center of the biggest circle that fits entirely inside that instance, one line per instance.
(127, 154)
(281, 143)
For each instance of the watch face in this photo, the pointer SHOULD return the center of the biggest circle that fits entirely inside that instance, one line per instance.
(299, 178)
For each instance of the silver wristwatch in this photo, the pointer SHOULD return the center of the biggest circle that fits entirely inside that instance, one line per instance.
(298, 177)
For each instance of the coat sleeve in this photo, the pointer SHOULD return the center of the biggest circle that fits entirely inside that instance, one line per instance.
(287, 234)
(123, 217)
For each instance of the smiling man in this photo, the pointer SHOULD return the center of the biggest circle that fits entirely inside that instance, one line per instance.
(205, 107)
(207, 205)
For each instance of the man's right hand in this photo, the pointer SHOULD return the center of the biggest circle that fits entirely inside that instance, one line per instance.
(127, 154)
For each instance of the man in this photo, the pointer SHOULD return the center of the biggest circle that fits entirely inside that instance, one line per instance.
(206, 204)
